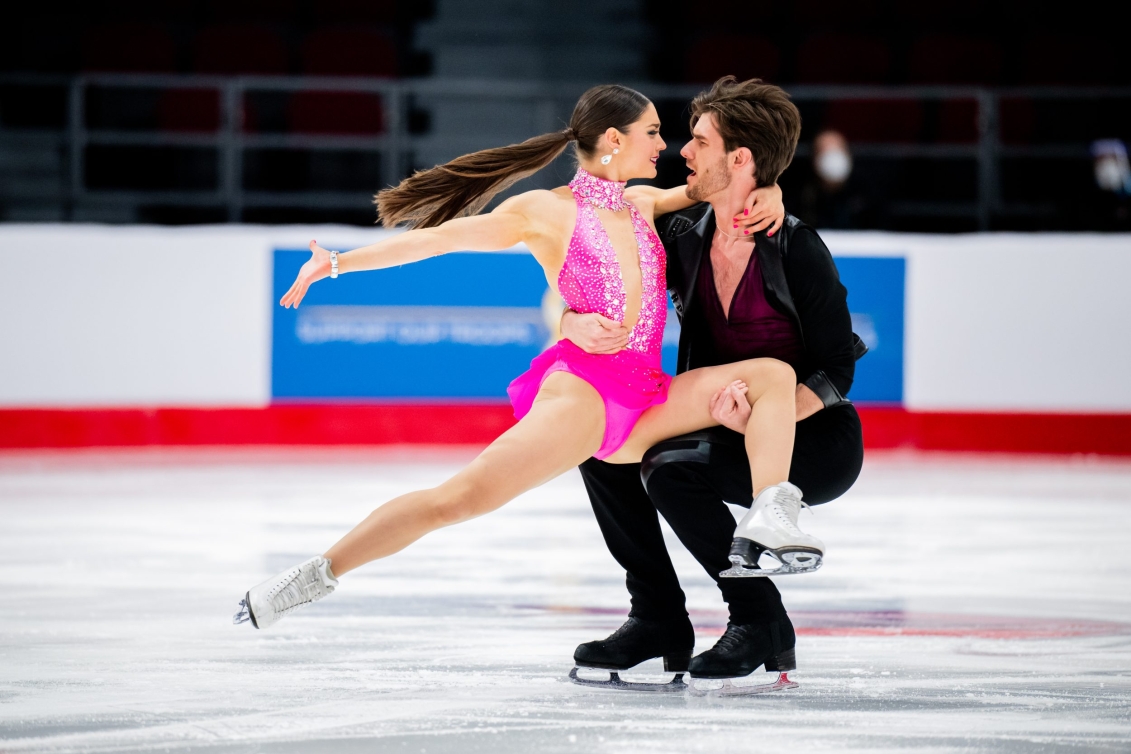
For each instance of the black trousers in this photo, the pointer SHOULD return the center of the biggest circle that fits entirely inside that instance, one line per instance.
(689, 479)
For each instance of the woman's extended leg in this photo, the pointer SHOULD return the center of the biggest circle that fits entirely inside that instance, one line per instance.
(564, 427)
(769, 436)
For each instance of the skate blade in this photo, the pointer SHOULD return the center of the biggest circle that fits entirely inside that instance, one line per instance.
(614, 682)
(243, 616)
(729, 688)
(788, 563)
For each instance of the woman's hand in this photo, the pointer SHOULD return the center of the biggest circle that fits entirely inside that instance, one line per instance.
(763, 209)
(316, 268)
(593, 333)
(730, 408)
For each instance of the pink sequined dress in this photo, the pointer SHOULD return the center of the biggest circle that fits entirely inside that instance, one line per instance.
(631, 380)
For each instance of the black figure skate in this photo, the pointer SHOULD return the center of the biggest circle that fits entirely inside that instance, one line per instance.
(741, 651)
(633, 643)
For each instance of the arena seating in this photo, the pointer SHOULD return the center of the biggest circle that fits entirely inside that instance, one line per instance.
(356, 11)
(876, 120)
(745, 56)
(958, 121)
(344, 51)
(1067, 59)
(836, 14)
(239, 48)
(343, 113)
(954, 59)
(129, 47)
(191, 110)
(833, 58)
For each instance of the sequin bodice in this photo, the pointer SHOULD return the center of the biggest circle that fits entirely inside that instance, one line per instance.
(591, 279)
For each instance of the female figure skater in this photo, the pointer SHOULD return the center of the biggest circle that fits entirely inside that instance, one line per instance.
(597, 243)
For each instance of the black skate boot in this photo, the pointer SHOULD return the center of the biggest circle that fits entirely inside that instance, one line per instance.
(741, 651)
(635, 642)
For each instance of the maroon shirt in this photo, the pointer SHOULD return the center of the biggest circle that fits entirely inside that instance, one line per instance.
(753, 330)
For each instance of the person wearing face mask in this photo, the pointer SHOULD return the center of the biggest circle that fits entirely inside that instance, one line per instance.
(830, 200)
(1110, 205)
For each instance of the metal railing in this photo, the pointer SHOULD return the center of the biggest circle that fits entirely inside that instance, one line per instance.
(549, 102)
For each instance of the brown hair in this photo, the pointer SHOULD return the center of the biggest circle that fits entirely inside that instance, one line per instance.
(754, 115)
(466, 184)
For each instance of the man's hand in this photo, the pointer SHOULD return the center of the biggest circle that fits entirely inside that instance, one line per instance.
(807, 402)
(730, 408)
(763, 209)
(593, 333)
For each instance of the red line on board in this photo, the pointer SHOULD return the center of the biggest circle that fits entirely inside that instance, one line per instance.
(480, 423)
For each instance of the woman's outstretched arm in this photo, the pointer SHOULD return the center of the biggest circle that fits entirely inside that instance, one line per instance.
(506, 226)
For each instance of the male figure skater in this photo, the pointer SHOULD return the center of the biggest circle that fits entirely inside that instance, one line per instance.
(774, 294)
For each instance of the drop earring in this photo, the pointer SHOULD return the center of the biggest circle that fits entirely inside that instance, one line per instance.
(609, 157)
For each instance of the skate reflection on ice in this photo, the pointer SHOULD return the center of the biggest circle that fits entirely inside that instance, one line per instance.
(728, 687)
(610, 679)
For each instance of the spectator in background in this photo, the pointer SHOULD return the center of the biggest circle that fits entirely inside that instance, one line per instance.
(1113, 181)
(831, 199)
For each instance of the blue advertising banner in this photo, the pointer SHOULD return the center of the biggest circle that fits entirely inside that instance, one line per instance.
(462, 326)
(875, 299)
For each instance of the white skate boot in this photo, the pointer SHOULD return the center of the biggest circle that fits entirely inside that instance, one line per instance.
(296, 587)
(771, 526)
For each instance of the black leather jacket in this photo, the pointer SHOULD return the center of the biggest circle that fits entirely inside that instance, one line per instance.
(801, 282)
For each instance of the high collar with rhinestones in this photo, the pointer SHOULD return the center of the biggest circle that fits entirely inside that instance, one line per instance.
(599, 192)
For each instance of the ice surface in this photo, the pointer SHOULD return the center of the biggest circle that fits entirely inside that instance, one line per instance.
(965, 605)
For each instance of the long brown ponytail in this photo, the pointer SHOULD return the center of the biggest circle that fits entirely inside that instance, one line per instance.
(465, 185)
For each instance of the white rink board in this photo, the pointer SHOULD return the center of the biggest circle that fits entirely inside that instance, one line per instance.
(144, 316)
(121, 571)
(1011, 321)
(123, 316)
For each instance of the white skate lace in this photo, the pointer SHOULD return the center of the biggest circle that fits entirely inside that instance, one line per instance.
(787, 507)
(292, 593)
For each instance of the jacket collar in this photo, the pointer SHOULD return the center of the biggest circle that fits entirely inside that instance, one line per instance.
(699, 241)
(770, 259)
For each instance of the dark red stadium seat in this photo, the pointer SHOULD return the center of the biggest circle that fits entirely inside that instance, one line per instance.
(876, 120)
(349, 52)
(189, 110)
(1065, 59)
(933, 15)
(843, 59)
(132, 47)
(958, 121)
(342, 113)
(356, 11)
(746, 56)
(1017, 118)
(954, 59)
(253, 10)
(239, 48)
(834, 13)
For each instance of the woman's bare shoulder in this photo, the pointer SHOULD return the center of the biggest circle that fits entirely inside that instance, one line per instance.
(538, 200)
(642, 197)
(649, 193)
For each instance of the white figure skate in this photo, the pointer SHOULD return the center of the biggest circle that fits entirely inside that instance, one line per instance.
(770, 526)
(307, 582)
